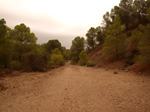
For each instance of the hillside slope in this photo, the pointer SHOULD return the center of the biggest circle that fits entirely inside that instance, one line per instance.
(101, 61)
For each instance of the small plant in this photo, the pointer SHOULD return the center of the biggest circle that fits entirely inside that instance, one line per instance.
(90, 63)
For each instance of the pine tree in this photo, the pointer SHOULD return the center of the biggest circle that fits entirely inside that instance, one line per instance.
(144, 47)
(114, 46)
(76, 48)
(91, 38)
(136, 39)
(6, 45)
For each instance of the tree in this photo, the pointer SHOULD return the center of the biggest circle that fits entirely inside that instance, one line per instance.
(114, 46)
(24, 41)
(36, 60)
(140, 11)
(114, 12)
(56, 51)
(21, 34)
(91, 38)
(66, 53)
(106, 20)
(140, 43)
(125, 12)
(6, 45)
(51, 45)
(3, 28)
(144, 47)
(140, 7)
(100, 35)
(148, 14)
(76, 48)
(126, 6)
(136, 39)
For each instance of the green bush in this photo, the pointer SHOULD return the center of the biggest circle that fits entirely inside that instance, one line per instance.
(58, 59)
(90, 63)
(35, 61)
(51, 64)
(83, 58)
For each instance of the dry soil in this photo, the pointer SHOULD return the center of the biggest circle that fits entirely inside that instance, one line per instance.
(75, 88)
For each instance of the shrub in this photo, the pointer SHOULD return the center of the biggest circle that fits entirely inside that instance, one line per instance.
(90, 63)
(35, 61)
(83, 58)
(16, 65)
(57, 59)
(51, 64)
(73, 62)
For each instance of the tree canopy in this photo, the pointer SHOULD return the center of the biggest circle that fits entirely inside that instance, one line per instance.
(19, 50)
(24, 40)
(114, 45)
(52, 44)
(76, 48)
(6, 46)
(91, 38)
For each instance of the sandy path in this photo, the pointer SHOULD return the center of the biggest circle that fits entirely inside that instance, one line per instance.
(76, 89)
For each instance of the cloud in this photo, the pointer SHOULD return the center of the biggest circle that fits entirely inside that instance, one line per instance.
(66, 40)
(60, 19)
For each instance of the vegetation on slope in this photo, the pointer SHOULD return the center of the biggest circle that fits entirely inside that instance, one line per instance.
(124, 35)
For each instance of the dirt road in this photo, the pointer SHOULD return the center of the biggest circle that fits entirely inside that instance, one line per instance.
(75, 89)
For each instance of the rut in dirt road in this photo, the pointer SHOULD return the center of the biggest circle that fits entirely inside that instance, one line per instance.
(76, 89)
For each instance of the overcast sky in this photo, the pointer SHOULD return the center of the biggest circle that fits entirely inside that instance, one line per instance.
(56, 19)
